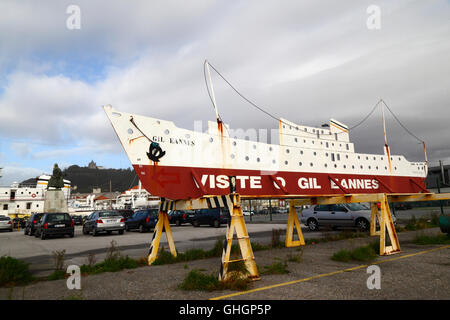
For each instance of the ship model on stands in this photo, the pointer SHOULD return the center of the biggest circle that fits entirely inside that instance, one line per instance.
(177, 163)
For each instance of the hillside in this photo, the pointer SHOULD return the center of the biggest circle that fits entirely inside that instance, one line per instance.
(85, 179)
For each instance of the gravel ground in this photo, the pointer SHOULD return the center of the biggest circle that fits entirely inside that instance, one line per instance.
(424, 276)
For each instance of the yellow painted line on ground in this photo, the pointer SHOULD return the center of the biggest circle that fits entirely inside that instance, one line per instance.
(327, 274)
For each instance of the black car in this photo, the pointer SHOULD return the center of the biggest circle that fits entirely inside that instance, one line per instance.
(213, 217)
(31, 223)
(126, 213)
(77, 220)
(144, 220)
(104, 221)
(55, 224)
(179, 217)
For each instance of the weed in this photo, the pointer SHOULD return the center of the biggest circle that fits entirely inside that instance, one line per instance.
(91, 259)
(436, 239)
(58, 257)
(57, 275)
(295, 257)
(365, 253)
(196, 280)
(14, 271)
(276, 268)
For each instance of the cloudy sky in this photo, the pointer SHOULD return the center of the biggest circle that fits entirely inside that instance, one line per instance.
(306, 61)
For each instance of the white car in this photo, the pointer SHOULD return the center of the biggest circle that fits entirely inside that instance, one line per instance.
(338, 215)
(5, 223)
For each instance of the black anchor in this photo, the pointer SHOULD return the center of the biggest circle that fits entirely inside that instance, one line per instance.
(155, 152)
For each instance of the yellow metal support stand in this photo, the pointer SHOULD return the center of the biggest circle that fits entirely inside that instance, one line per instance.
(293, 222)
(237, 223)
(161, 225)
(387, 224)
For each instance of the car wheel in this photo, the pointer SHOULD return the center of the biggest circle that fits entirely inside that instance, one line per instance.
(85, 231)
(178, 222)
(120, 232)
(216, 224)
(108, 232)
(313, 225)
(42, 236)
(25, 232)
(141, 229)
(95, 232)
(195, 223)
(362, 224)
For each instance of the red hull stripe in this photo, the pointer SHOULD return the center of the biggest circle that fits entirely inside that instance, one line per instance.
(186, 183)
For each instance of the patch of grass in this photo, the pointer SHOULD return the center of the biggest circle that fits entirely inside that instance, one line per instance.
(112, 264)
(422, 223)
(57, 275)
(196, 280)
(295, 257)
(436, 239)
(14, 271)
(365, 253)
(276, 268)
(258, 247)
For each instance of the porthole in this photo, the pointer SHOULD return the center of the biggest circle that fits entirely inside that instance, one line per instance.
(345, 166)
(246, 158)
(166, 131)
(315, 153)
(284, 126)
(158, 122)
(312, 141)
(353, 167)
(346, 156)
(376, 167)
(304, 141)
(335, 165)
(258, 159)
(295, 139)
(270, 149)
(187, 135)
(211, 139)
(367, 158)
(286, 162)
(254, 146)
(385, 168)
(399, 159)
(287, 150)
(273, 161)
(326, 154)
(326, 165)
(359, 157)
(311, 164)
(301, 151)
(130, 131)
(369, 167)
(232, 156)
(361, 167)
(395, 168)
(381, 158)
(374, 158)
(300, 164)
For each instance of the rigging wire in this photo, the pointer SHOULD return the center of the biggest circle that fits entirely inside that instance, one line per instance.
(278, 119)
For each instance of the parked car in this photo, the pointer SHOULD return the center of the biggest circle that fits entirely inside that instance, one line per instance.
(18, 222)
(5, 223)
(338, 215)
(126, 213)
(213, 217)
(248, 212)
(77, 220)
(180, 217)
(144, 220)
(54, 224)
(31, 223)
(104, 221)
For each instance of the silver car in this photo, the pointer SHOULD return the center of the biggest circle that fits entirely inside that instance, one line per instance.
(5, 223)
(337, 215)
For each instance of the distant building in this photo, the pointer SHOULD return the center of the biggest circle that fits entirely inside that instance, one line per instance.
(92, 165)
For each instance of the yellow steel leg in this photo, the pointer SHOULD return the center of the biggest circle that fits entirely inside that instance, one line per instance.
(293, 222)
(387, 224)
(237, 224)
(161, 225)
(374, 217)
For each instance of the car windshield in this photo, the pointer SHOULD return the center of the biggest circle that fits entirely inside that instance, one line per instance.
(108, 214)
(57, 217)
(356, 206)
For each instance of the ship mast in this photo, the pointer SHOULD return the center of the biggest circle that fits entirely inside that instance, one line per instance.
(213, 97)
